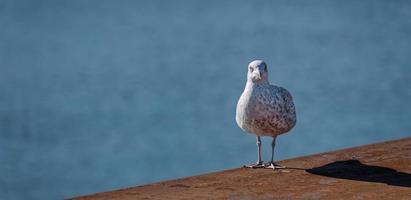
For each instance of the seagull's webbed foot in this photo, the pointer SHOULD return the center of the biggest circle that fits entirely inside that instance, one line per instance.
(274, 166)
(260, 164)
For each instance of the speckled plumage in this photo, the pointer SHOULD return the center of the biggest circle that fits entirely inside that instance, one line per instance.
(264, 109)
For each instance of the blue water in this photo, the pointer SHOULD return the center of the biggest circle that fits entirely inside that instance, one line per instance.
(100, 95)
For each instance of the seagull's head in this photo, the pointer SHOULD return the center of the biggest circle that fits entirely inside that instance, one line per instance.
(257, 72)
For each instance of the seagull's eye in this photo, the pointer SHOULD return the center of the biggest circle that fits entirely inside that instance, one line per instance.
(251, 69)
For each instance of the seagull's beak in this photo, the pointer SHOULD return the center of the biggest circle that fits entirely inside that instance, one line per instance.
(257, 75)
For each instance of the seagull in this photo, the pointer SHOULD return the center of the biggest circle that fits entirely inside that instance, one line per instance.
(264, 110)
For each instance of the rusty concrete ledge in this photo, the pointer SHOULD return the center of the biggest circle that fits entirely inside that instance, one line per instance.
(376, 171)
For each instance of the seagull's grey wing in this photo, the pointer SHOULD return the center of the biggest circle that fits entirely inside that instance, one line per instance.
(281, 108)
(287, 106)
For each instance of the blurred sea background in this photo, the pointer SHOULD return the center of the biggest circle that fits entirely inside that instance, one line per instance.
(100, 95)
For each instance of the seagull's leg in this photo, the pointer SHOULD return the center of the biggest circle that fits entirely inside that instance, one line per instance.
(272, 149)
(259, 163)
(272, 165)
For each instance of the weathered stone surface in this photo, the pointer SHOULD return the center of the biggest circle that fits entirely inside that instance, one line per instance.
(377, 171)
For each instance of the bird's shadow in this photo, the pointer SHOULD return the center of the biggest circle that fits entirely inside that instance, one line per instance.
(355, 170)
